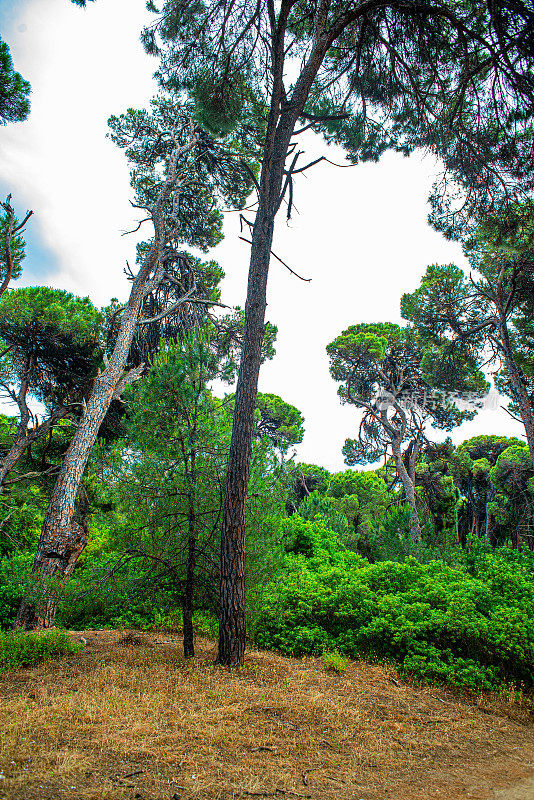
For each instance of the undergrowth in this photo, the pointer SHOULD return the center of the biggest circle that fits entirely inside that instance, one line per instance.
(25, 649)
(470, 626)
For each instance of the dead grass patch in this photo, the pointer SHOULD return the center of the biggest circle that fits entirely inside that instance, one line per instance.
(122, 720)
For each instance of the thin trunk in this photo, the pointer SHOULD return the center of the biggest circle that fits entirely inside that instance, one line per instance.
(189, 588)
(24, 438)
(281, 124)
(409, 491)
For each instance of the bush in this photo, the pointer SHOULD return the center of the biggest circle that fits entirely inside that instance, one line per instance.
(25, 649)
(442, 623)
(334, 661)
(14, 571)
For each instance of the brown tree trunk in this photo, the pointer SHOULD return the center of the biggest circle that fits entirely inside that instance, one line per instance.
(189, 588)
(63, 538)
(232, 629)
(409, 491)
(187, 605)
(281, 124)
(520, 391)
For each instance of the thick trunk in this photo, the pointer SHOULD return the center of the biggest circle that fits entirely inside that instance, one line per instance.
(520, 391)
(409, 491)
(63, 538)
(281, 124)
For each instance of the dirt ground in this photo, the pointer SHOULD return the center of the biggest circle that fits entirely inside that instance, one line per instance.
(127, 718)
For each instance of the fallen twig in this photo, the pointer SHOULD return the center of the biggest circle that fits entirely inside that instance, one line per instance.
(306, 771)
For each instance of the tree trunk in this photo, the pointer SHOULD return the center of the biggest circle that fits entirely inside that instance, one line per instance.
(520, 390)
(62, 537)
(232, 628)
(283, 116)
(189, 588)
(409, 491)
(24, 438)
(187, 606)
(38, 609)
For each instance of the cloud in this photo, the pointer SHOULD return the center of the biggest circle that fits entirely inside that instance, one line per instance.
(360, 233)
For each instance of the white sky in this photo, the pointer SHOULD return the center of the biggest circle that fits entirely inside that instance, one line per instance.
(360, 234)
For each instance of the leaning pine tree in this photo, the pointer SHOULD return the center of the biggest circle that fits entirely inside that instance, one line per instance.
(178, 176)
(369, 74)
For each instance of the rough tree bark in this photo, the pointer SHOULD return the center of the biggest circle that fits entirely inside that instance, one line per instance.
(520, 390)
(409, 490)
(189, 585)
(283, 116)
(63, 536)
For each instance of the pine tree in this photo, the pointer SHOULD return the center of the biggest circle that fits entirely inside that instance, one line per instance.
(370, 75)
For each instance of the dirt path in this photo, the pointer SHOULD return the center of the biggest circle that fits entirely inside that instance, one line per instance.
(128, 719)
(524, 790)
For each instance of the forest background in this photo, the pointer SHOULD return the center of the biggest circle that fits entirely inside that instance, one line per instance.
(334, 560)
(361, 251)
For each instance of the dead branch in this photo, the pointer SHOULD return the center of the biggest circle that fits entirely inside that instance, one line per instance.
(282, 262)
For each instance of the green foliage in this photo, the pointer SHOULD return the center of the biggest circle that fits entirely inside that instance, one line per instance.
(211, 174)
(279, 420)
(492, 308)
(473, 629)
(131, 597)
(14, 571)
(40, 309)
(26, 649)
(54, 339)
(220, 100)
(396, 376)
(312, 539)
(444, 294)
(334, 661)
(512, 476)
(18, 246)
(325, 509)
(304, 479)
(14, 90)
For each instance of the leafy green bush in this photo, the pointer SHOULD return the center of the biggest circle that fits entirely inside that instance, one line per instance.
(334, 661)
(24, 649)
(442, 623)
(310, 538)
(13, 573)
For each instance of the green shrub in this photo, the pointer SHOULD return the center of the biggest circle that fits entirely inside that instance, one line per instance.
(334, 661)
(442, 623)
(14, 571)
(25, 649)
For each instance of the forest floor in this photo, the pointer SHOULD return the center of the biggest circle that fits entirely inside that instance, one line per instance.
(127, 717)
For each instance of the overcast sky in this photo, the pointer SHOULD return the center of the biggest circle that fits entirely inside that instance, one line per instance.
(360, 233)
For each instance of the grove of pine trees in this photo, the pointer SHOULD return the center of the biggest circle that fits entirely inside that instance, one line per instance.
(141, 493)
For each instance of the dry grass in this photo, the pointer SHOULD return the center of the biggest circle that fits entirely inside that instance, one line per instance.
(78, 728)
